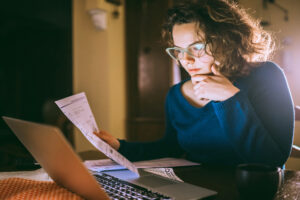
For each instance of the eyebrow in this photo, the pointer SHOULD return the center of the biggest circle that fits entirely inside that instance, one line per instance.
(190, 44)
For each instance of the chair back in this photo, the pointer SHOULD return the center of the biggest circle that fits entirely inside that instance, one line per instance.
(296, 149)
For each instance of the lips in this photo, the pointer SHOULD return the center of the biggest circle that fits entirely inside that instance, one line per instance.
(194, 70)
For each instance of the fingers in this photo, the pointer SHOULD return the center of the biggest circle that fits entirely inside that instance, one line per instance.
(97, 134)
(200, 95)
(198, 91)
(109, 139)
(201, 89)
(198, 78)
(199, 85)
(102, 135)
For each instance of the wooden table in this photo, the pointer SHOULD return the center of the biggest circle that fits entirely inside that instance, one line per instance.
(222, 180)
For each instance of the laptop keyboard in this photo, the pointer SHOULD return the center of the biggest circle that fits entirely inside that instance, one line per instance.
(119, 189)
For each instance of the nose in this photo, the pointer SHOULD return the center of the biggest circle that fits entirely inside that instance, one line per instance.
(188, 59)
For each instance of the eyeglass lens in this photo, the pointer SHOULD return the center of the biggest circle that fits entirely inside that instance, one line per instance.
(196, 50)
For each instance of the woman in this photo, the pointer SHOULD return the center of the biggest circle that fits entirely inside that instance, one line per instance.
(236, 107)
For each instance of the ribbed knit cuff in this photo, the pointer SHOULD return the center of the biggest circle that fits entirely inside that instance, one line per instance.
(221, 106)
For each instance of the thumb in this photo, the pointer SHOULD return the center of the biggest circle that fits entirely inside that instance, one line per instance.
(215, 71)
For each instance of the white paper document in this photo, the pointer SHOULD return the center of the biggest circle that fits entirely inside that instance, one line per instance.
(107, 164)
(164, 162)
(78, 111)
(102, 165)
(165, 172)
(160, 166)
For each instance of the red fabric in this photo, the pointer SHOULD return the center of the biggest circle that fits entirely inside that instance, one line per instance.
(23, 189)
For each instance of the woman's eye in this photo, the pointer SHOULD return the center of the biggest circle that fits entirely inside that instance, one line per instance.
(197, 47)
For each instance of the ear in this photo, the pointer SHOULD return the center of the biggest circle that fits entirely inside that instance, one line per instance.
(217, 62)
(215, 71)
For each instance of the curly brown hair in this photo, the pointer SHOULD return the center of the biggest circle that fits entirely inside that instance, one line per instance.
(235, 39)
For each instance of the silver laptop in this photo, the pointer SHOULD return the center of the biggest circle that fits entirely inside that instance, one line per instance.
(49, 147)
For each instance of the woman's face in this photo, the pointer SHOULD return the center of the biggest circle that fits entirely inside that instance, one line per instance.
(185, 35)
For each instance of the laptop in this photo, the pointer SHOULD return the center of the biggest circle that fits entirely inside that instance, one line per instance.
(49, 147)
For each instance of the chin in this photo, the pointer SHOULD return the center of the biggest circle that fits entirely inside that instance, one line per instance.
(200, 73)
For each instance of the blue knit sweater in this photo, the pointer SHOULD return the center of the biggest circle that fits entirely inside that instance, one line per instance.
(254, 126)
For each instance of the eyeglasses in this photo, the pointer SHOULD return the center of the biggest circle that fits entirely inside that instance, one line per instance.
(195, 50)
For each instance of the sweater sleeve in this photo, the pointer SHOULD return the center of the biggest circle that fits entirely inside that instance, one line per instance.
(165, 147)
(260, 125)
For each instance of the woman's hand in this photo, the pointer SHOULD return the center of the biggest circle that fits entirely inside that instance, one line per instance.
(215, 87)
(109, 139)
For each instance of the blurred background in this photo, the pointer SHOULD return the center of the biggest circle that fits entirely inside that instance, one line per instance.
(112, 51)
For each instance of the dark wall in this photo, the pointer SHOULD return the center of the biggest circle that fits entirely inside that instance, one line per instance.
(148, 69)
(35, 61)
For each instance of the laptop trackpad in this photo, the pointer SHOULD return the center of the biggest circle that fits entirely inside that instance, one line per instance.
(153, 181)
